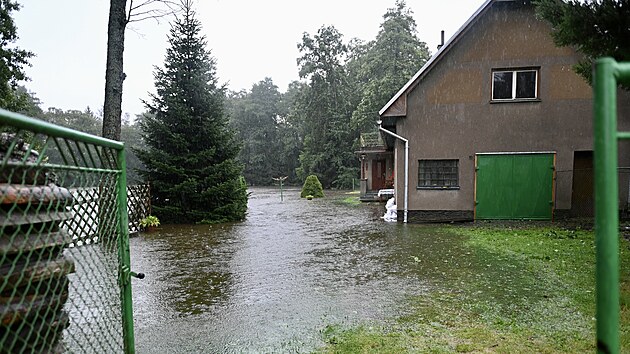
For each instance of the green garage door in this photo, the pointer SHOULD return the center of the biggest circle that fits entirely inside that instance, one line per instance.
(514, 186)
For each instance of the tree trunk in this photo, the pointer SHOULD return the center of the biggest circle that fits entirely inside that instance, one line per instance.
(114, 75)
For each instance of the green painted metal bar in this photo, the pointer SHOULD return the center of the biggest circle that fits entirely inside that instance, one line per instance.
(39, 126)
(607, 75)
(623, 72)
(606, 205)
(124, 254)
(623, 135)
(67, 168)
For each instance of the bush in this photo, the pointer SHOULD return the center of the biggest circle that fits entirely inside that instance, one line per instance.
(149, 221)
(313, 187)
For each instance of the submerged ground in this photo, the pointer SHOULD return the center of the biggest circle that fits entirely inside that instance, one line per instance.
(325, 275)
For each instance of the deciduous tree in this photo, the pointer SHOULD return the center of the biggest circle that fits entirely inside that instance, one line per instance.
(384, 65)
(12, 61)
(256, 117)
(325, 109)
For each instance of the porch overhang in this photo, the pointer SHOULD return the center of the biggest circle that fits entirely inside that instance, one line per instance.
(372, 152)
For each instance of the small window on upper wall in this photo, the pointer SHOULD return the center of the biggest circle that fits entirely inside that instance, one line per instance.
(512, 85)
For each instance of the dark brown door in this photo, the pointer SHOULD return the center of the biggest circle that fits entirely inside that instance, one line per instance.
(378, 174)
(582, 193)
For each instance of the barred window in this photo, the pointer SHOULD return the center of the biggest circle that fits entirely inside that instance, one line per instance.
(438, 173)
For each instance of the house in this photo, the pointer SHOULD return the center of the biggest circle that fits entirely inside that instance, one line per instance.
(377, 168)
(496, 125)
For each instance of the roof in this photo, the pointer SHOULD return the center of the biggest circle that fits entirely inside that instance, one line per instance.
(439, 54)
(371, 140)
(371, 143)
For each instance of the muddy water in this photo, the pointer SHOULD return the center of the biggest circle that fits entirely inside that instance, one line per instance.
(274, 281)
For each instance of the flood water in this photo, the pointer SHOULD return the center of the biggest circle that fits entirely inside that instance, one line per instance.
(274, 281)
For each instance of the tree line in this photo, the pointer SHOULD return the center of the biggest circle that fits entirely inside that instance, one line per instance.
(197, 140)
(311, 128)
(91, 122)
(314, 127)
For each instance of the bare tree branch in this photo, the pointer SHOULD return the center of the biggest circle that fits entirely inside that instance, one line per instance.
(151, 9)
(156, 7)
(156, 18)
(121, 13)
(146, 2)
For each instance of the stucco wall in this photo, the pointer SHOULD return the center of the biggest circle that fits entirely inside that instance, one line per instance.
(450, 114)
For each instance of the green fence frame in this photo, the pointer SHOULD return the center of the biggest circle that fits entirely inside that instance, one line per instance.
(607, 74)
(74, 140)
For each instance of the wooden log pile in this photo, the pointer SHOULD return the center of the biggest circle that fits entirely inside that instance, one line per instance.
(33, 269)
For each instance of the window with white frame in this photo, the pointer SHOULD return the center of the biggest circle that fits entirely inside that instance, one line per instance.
(441, 174)
(514, 84)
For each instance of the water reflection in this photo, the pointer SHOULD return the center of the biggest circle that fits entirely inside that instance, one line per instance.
(187, 268)
(272, 282)
(269, 283)
(197, 272)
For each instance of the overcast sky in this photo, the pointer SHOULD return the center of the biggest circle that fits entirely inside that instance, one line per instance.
(250, 40)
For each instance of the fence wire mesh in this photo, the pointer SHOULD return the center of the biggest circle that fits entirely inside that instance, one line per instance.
(62, 248)
(138, 205)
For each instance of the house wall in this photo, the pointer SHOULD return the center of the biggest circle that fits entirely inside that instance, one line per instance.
(450, 114)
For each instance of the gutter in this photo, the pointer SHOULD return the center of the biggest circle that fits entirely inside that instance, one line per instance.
(406, 198)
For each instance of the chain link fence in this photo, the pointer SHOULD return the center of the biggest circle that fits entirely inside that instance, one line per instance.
(138, 205)
(64, 253)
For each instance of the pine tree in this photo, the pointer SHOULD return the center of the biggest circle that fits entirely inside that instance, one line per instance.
(191, 156)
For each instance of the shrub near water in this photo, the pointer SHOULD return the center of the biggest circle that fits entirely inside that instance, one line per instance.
(312, 187)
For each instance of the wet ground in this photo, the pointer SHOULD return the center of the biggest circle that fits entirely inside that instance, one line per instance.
(274, 281)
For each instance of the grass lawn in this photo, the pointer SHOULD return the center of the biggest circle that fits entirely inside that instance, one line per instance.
(350, 198)
(514, 288)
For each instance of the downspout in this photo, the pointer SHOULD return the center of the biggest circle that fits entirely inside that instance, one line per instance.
(406, 198)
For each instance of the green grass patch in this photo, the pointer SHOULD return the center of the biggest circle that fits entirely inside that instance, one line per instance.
(351, 200)
(522, 288)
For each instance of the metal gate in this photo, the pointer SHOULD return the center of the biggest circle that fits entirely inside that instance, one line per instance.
(514, 186)
(64, 248)
(605, 79)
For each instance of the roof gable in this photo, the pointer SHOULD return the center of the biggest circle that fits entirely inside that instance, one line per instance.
(397, 105)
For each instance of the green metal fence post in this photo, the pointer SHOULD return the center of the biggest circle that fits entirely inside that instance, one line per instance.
(606, 206)
(124, 254)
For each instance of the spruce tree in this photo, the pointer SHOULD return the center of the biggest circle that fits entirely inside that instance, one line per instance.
(191, 156)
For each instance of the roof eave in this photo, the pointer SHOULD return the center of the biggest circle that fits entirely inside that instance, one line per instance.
(425, 68)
